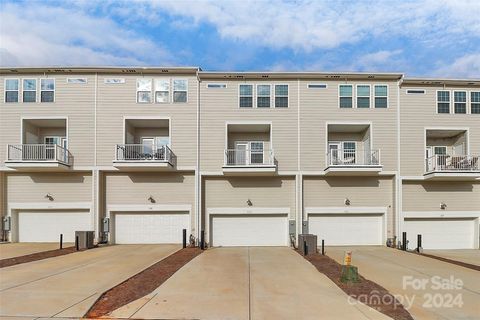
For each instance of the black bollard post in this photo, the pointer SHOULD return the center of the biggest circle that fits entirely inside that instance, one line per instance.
(202, 240)
(61, 241)
(76, 243)
(305, 248)
(404, 241)
(323, 247)
(184, 233)
(419, 242)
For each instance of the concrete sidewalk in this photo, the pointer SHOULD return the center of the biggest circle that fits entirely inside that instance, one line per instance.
(247, 283)
(402, 274)
(471, 256)
(66, 286)
(12, 250)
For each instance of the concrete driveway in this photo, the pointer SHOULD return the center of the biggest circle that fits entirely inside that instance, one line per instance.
(12, 250)
(247, 283)
(471, 256)
(67, 286)
(412, 277)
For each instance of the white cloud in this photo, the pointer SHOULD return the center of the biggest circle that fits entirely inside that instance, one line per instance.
(467, 66)
(47, 35)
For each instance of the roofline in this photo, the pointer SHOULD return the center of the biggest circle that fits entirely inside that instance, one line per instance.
(98, 69)
(440, 81)
(298, 74)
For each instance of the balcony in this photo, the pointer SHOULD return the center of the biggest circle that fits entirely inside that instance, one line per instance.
(253, 161)
(452, 167)
(141, 156)
(353, 162)
(40, 156)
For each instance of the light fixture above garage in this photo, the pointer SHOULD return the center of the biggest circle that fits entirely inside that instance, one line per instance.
(347, 202)
(443, 206)
(249, 202)
(151, 199)
(49, 197)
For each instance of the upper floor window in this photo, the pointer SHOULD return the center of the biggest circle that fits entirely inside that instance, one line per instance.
(246, 96)
(216, 85)
(345, 96)
(381, 96)
(11, 90)
(144, 90)
(162, 90)
(363, 96)
(29, 90)
(443, 101)
(77, 80)
(281, 96)
(263, 96)
(180, 89)
(317, 86)
(475, 102)
(47, 90)
(415, 91)
(460, 101)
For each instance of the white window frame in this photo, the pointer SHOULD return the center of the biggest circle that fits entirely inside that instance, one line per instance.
(374, 96)
(281, 96)
(449, 102)
(36, 90)
(263, 96)
(114, 81)
(357, 96)
(415, 93)
(248, 153)
(5, 90)
(173, 90)
(54, 89)
(471, 102)
(252, 96)
(466, 101)
(169, 95)
(317, 86)
(137, 91)
(77, 80)
(352, 96)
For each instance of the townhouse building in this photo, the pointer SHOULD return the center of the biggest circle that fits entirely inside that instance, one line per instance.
(245, 158)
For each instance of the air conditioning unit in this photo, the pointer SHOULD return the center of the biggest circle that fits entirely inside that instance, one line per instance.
(85, 239)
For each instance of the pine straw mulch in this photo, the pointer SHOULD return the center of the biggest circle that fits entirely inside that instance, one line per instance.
(36, 256)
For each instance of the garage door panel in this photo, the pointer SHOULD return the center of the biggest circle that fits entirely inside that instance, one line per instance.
(137, 228)
(41, 226)
(441, 233)
(340, 229)
(249, 230)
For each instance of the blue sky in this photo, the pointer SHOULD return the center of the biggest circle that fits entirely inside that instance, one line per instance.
(420, 38)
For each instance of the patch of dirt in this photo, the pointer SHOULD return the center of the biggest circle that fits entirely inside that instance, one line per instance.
(366, 291)
(36, 256)
(142, 283)
(458, 263)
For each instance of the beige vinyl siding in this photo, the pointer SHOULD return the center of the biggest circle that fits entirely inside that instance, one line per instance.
(361, 191)
(219, 106)
(419, 111)
(118, 101)
(72, 101)
(233, 192)
(64, 187)
(319, 106)
(427, 196)
(136, 188)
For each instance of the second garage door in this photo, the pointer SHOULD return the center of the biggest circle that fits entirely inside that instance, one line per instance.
(249, 230)
(343, 229)
(134, 228)
(441, 233)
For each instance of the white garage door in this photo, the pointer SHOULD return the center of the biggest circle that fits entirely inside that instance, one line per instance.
(441, 233)
(131, 228)
(41, 226)
(342, 230)
(249, 230)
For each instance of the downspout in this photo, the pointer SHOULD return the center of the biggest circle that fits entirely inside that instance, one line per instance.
(198, 189)
(399, 210)
(299, 190)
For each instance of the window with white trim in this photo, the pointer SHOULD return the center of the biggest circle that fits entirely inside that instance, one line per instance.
(475, 102)
(216, 85)
(443, 101)
(162, 90)
(281, 96)
(345, 94)
(180, 90)
(29, 87)
(246, 96)
(363, 96)
(381, 96)
(11, 90)
(144, 90)
(263, 96)
(415, 91)
(460, 101)
(47, 90)
(317, 86)
(77, 80)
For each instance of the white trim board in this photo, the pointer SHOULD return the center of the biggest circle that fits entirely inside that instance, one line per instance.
(441, 214)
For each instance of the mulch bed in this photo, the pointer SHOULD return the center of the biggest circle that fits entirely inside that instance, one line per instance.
(141, 284)
(36, 256)
(458, 263)
(371, 294)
